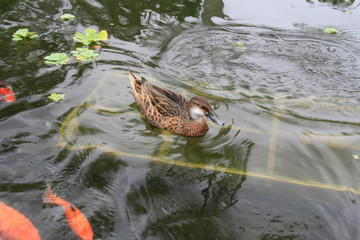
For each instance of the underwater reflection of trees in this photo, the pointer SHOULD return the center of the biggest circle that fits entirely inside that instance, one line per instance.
(335, 2)
(130, 17)
(6, 5)
(212, 8)
(187, 203)
(182, 202)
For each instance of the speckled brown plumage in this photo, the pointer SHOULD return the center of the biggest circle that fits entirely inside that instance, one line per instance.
(169, 110)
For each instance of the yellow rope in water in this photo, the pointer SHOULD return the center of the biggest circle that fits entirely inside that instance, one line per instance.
(69, 127)
(220, 169)
(273, 138)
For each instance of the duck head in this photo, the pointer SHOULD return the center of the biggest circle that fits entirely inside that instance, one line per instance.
(200, 106)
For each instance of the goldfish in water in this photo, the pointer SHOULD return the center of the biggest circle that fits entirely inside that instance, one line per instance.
(74, 217)
(6, 93)
(15, 226)
(96, 46)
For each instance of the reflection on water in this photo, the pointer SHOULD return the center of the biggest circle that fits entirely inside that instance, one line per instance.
(336, 2)
(182, 203)
(284, 166)
(212, 8)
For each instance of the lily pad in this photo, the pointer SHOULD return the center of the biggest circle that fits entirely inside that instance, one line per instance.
(56, 97)
(84, 54)
(67, 16)
(331, 30)
(90, 36)
(239, 44)
(23, 33)
(57, 58)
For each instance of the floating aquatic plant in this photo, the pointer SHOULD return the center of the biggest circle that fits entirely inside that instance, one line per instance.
(56, 97)
(84, 54)
(57, 58)
(23, 33)
(331, 30)
(67, 16)
(239, 44)
(90, 36)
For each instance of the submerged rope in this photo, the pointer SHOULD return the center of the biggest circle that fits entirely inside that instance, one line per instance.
(70, 126)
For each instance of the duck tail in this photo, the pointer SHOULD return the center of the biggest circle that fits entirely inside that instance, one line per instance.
(49, 197)
(135, 82)
(136, 85)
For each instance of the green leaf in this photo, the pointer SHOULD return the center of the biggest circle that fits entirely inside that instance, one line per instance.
(90, 32)
(67, 16)
(81, 38)
(33, 36)
(57, 58)
(331, 30)
(346, 12)
(84, 54)
(102, 36)
(356, 157)
(90, 36)
(56, 97)
(240, 44)
(23, 33)
(17, 38)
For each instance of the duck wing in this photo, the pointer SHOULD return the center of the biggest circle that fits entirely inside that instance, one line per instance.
(160, 103)
(170, 103)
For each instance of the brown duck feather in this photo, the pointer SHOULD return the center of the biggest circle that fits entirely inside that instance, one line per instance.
(167, 109)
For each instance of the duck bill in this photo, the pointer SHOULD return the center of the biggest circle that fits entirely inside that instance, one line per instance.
(213, 118)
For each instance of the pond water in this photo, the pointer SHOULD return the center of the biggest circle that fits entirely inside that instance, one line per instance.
(284, 166)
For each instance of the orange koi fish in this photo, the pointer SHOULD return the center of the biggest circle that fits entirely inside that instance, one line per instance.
(74, 217)
(6, 93)
(96, 47)
(15, 226)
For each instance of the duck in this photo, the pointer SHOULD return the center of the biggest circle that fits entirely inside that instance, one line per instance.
(172, 111)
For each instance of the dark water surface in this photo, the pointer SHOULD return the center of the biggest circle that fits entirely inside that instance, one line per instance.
(285, 165)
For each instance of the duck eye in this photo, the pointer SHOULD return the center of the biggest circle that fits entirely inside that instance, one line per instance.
(205, 109)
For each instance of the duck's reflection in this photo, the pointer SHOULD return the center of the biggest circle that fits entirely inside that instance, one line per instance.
(212, 8)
